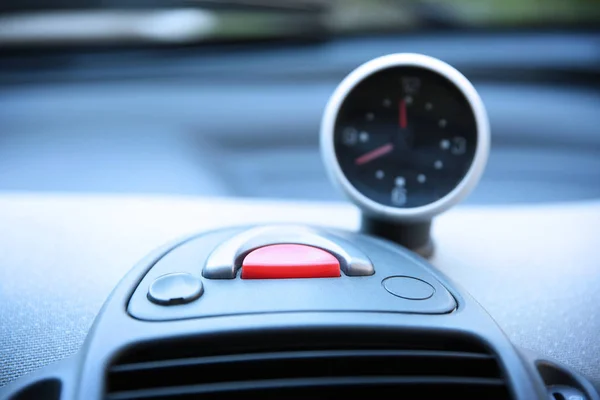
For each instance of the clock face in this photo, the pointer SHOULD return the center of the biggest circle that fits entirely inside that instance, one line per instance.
(405, 136)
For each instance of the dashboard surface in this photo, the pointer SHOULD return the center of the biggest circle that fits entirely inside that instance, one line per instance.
(61, 256)
(243, 121)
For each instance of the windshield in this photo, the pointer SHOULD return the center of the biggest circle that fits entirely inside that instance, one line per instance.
(350, 15)
(62, 21)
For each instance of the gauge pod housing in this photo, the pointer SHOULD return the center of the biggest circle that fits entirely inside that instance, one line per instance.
(405, 136)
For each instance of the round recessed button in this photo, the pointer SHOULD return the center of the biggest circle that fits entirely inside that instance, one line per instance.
(176, 288)
(409, 288)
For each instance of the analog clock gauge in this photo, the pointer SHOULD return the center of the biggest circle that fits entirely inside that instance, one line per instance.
(405, 136)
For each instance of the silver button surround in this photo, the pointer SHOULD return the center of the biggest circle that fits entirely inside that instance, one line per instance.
(226, 259)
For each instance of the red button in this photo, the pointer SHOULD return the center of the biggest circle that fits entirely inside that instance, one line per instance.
(280, 261)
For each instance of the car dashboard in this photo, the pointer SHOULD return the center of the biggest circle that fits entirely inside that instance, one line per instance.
(208, 140)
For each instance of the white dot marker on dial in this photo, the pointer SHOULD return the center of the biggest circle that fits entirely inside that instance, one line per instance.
(428, 106)
(363, 137)
(408, 99)
(400, 181)
(421, 178)
(445, 144)
(442, 123)
(387, 103)
(370, 116)
(438, 164)
(379, 174)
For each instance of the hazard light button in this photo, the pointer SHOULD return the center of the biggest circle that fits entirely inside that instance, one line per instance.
(281, 261)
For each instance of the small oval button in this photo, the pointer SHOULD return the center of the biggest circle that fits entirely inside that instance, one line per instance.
(409, 288)
(176, 288)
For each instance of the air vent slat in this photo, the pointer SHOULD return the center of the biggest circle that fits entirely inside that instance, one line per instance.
(301, 365)
(309, 364)
(149, 365)
(317, 386)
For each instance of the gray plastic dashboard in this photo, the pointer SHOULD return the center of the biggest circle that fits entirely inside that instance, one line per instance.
(535, 269)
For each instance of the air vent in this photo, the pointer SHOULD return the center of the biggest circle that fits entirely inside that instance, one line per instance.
(315, 365)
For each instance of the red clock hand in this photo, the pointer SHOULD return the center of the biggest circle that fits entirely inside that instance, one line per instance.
(373, 154)
(402, 122)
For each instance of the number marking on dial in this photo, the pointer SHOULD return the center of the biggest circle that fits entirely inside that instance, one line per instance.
(398, 196)
(459, 146)
(349, 136)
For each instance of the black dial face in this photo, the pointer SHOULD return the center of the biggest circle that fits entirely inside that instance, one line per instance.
(405, 137)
